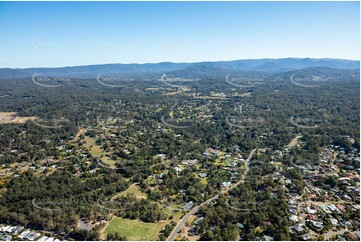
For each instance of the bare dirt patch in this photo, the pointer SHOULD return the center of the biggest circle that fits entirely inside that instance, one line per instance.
(12, 118)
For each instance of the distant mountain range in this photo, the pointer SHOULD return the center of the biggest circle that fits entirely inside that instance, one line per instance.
(326, 72)
(271, 66)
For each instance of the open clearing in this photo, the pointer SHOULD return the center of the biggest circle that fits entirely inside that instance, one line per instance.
(135, 229)
(294, 142)
(204, 181)
(245, 94)
(209, 97)
(133, 189)
(11, 118)
(80, 132)
(97, 152)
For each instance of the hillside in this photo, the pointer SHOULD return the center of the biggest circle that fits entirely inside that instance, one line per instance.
(183, 69)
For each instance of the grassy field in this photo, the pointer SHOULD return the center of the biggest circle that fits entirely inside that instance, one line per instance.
(133, 189)
(204, 181)
(135, 229)
(96, 151)
(80, 132)
(138, 230)
(210, 97)
(89, 141)
(11, 117)
(294, 142)
(246, 94)
(109, 162)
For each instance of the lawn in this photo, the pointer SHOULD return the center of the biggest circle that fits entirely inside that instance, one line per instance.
(108, 162)
(89, 141)
(294, 142)
(133, 189)
(204, 181)
(135, 229)
(96, 150)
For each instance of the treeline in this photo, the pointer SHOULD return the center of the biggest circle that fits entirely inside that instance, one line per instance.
(58, 201)
(131, 207)
(258, 207)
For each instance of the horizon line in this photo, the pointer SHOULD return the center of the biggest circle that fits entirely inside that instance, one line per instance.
(180, 62)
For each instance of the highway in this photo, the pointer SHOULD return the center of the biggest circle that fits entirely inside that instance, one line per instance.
(183, 221)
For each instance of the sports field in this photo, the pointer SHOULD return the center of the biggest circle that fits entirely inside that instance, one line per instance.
(135, 229)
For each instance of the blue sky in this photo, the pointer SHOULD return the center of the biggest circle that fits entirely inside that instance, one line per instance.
(50, 34)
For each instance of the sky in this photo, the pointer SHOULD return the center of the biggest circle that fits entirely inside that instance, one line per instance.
(55, 34)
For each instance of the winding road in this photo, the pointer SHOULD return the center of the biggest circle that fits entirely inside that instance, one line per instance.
(182, 222)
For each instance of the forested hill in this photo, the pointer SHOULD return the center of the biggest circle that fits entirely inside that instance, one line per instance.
(184, 69)
(325, 72)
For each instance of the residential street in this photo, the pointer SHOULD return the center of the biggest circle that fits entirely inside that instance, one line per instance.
(182, 222)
